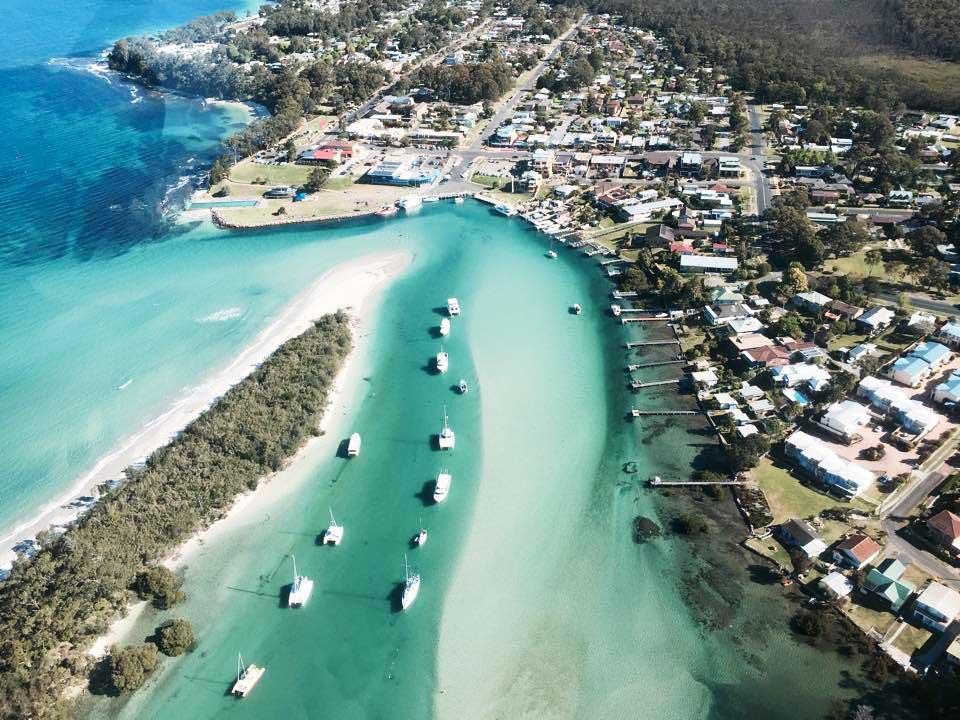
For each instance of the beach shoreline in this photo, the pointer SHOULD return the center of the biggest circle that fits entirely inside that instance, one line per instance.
(346, 286)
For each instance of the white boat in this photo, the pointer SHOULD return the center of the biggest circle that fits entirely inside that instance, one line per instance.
(551, 253)
(411, 586)
(445, 327)
(300, 590)
(431, 199)
(463, 386)
(616, 310)
(447, 438)
(505, 209)
(458, 200)
(420, 539)
(453, 307)
(442, 487)
(410, 203)
(333, 535)
(443, 361)
(247, 677)
(353, 447)
(576, 309)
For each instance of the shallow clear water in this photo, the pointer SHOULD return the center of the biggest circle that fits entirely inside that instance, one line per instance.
(535, 602)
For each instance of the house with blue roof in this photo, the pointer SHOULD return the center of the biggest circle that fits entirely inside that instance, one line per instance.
(934, 354)
(884, 580)
(910, 371)
(949, 390)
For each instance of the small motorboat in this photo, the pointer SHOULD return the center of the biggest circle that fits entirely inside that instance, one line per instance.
(576, 309)
(463, 386)
(445, 327)
(420, 539)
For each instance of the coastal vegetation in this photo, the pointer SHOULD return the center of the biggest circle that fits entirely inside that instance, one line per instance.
(54, 604)
(175, 637)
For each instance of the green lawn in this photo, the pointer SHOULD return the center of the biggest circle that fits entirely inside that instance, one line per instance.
(340, 183)
(247, 172)
(788, 498)
(911, 639)
(855, 264)
(488, 181)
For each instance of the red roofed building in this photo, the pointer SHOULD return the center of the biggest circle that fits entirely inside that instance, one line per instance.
(945, 527)
(320, 156)
(856, 551)
(679, 247)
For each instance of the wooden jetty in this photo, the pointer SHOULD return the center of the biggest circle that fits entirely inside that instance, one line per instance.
(650, 413)
(618, 294)
(637, 385)
(657, 481)
(613, 262)
(626, 321)
(648, 343)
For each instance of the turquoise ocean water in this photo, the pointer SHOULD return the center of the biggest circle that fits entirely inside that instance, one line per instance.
(88, 163)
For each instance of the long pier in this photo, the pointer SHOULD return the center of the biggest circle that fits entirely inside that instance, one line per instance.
(649, 413)
(626, 321)
(648, 343)
(617, 294)
(612, 262)
(657, 482)
(637, 385)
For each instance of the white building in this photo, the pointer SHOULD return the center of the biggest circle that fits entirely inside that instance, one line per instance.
(937, 606)
(845, 418)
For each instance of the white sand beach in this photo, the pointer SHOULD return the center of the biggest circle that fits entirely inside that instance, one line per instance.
(346, 286)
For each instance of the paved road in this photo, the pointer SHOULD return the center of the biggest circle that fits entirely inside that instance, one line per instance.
(758, 142)
(530, 83)
(941, 307)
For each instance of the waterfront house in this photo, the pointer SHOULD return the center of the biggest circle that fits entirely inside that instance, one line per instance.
(822, 463)
(875, 319)
(845, 419)
(884, 580)
(798, 534)
(836, 585)
(945, 529)
(936, 607)
(855, 551)
(950, 334)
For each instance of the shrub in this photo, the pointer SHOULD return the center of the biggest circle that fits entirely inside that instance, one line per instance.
(160, 585)
(130, 666)
(175, 637)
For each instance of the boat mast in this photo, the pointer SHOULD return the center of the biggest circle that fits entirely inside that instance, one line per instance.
(406, 569)
(294, 567)
(240, 667)
(333, 520)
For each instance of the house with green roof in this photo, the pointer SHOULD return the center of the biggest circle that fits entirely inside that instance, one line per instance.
(884, 580)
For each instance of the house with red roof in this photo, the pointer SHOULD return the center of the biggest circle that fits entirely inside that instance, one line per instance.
(945, 528)
(855, 551)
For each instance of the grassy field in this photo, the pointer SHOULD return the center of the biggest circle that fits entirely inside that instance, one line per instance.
(789, 498)
(855, 264)
(488, 181)
(246, 172)
(868, 619)
(912, 639)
